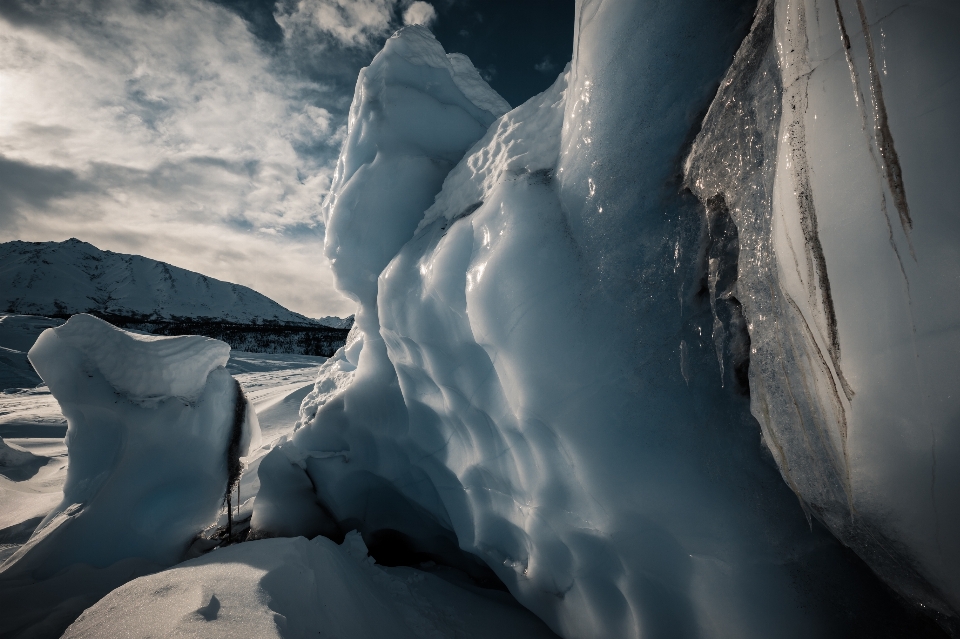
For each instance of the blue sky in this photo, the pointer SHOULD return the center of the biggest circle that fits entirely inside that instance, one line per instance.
(204, 133)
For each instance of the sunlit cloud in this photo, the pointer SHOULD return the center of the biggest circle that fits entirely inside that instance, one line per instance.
(167, 129)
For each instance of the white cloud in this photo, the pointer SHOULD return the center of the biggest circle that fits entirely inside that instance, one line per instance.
(350, 22)
(172, 133)
(420, 13)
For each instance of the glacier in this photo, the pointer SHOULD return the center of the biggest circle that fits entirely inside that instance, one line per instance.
(669, 350)
(826, 148)
(560, 341)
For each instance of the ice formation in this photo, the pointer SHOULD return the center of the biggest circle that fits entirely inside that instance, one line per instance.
(558, 349)
(156, 431)
(537, 379)
(297, 588)
(826, 148)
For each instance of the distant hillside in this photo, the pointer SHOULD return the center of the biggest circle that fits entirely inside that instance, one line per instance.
(59, 279)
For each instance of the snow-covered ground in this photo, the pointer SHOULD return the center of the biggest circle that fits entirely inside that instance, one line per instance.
(265, 588)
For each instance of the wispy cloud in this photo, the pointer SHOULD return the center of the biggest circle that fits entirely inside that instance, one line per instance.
(350, 22)
(168, 129)
(545, 66)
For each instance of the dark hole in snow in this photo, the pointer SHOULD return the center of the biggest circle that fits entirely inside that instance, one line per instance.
(393, 548)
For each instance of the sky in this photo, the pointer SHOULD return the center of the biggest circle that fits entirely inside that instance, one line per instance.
(204, 133)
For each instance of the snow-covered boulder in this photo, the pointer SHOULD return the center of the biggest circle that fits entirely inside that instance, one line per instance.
(156, 427)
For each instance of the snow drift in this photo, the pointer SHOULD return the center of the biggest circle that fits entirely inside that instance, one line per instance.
(611, 477)
(291, 588)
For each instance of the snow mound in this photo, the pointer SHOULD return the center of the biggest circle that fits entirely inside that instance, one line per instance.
(290, 588)
(145, 369)
(155, 427)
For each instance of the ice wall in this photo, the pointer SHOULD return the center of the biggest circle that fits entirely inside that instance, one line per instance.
(537, 382)
(155, 426)
(849, 267)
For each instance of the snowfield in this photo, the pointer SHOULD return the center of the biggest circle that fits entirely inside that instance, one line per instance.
(34, 471)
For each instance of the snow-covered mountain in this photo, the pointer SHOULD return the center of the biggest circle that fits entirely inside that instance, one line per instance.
(333, 321)
(64, 278)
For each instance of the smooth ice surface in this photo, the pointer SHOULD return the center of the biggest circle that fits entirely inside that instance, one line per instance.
(294, 588)
(849, 263)
(45, 278)
(536, 379)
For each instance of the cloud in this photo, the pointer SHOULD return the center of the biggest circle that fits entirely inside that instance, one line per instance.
(545, 66)
(488, 73)
(420, 13)
(354, 23)
(24, 184)
(168, 129)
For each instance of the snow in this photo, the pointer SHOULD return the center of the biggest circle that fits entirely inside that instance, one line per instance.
(298, 588)
(63, 278)
(336, 322)
(32, 486)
